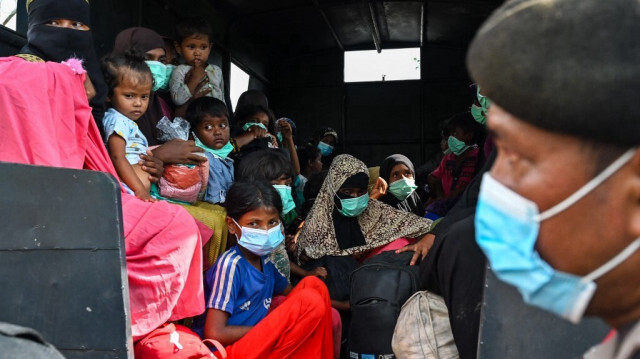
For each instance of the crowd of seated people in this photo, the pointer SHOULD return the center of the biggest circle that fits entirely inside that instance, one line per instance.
(244, 231)
(261, 229)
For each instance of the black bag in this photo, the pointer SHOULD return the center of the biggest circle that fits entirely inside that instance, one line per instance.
(22, 342)
(379, 288)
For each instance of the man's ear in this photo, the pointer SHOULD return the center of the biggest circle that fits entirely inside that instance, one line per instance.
(634, 218)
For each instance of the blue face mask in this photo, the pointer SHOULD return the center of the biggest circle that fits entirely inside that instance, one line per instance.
(287, 199)
(161, 74)
(325, 149)
(222, 152)
(507, 227)
(260, 241)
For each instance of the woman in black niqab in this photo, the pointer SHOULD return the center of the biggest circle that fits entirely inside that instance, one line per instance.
(53, 43)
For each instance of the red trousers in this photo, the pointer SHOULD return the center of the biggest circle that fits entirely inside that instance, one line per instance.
(300, 327)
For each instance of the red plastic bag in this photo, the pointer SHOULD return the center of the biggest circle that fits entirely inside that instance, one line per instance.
(176, 342)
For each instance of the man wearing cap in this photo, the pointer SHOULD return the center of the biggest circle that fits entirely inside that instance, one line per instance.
(558, 215)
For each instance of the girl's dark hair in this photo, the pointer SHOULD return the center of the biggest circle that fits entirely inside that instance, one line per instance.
(264, 165)
(191, 26)
(112, 67)
(203, 106)
(306, 154)
(465, 121)
(244, 197)
(243, 113)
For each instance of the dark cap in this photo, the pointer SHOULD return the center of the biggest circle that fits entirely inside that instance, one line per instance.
(567, 66)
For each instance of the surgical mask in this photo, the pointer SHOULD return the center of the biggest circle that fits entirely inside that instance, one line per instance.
(456, 146)
(251, 124)
(325, 149)
(478, 114)
(222, 152)
(260, 241)
(401, 189)
(483, 100)
(287, 199)
(161, 74)
(507, 227)
(353, 207)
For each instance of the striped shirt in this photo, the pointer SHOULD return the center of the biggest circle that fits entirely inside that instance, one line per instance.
(233, 285)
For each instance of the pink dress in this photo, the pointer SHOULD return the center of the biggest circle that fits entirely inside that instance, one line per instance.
(46, 121)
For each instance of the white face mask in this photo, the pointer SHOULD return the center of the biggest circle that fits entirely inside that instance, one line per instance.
(507, 227)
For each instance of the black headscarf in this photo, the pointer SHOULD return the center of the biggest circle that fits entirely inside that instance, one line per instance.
(59, 44)
(348, 231)
(413, 203)
(139, 38)
(143, 40)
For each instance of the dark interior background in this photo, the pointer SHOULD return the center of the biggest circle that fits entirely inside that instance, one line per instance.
(293, 50)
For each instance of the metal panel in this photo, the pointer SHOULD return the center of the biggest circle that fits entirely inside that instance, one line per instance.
(63, 259)
(511, 329)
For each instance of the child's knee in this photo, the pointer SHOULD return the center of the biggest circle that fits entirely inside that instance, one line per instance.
(314, 283)
(313, 303)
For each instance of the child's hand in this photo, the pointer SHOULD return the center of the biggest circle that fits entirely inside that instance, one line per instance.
(285, 129)
(257, 131)
(195, 78)
(318, 272)
(145, 196)
(379, 189)
(290, 243)
(273, 139)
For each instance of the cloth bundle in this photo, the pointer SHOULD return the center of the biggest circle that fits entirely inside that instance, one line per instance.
(185, 183)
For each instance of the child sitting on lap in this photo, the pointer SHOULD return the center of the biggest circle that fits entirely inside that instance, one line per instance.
(196, 78)
(129, 80)
(209, 122)
(240, 286)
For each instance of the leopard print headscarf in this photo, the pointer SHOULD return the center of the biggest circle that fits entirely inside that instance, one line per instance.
(380, 223)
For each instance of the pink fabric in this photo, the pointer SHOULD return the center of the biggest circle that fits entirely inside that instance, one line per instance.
(392, 246)
(189, 194)
(47, 121)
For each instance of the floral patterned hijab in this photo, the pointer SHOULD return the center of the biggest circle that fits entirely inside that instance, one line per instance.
(379, 223)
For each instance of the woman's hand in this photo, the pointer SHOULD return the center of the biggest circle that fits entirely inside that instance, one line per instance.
(179, 152)
(152, 165)
(318, 272)
(421, 247)
(379, 189)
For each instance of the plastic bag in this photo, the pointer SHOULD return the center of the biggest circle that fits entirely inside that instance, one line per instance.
(176, 129)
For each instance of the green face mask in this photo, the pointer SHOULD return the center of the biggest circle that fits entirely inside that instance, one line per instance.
(287, 199)
(161, 74)
(222, 152)
(251, 124)
(401, 189)
(456, 146)
(478, 114)
(483, 101)
(353, 207)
